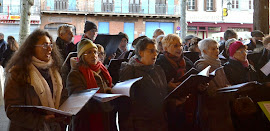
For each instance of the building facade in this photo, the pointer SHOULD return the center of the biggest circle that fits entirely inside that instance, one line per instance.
(210, 18)
(134, 17)
(10, 17)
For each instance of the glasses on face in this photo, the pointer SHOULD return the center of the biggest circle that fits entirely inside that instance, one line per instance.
(152, 51)
(45, 46)
(91, 52)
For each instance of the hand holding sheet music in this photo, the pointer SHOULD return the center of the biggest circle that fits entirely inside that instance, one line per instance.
(70, 107)
(192, 82)
(120, 89)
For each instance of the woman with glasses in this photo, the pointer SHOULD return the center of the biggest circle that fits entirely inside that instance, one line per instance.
(33, 78)
(89, 73)
(237, 69)
(146, 111)
(214, 109)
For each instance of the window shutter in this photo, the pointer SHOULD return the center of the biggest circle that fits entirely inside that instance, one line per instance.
(214, 5)
(204, 5)
(196, 5)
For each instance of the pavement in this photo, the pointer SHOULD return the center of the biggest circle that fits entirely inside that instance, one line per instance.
(4, 121)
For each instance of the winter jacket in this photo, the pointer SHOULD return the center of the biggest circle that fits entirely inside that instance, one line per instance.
(169, 70)
(6, 56)
(236, 73)
(3, 47)
(146, 111)
(21, 92)
(214, 109)
(258, 60)
(76, 82)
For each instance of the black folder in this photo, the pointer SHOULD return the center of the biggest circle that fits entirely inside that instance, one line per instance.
(109, 42)
(190, 84)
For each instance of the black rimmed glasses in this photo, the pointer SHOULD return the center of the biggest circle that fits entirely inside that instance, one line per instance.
(45, 46)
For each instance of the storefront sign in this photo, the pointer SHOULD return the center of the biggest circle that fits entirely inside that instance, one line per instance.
(17, 22)
(15, 17)
(4, 17)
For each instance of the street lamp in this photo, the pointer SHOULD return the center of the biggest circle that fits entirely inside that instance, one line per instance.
(229, 4)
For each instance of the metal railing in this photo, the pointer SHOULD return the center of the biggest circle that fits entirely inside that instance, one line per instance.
(92, 7)
(15, 10)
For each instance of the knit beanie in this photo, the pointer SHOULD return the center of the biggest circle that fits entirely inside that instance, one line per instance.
(124, 35)
(235, 46)
(84, 45)
(89, 26)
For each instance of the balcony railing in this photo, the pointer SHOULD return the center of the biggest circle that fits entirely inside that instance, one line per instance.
(63, 6)
(15, 10)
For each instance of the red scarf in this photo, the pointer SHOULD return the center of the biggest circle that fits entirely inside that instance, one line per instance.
(89, 75)
(96, 119)
(177, 62)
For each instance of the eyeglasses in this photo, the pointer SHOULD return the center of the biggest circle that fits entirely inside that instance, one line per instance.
(152, 51)
(90, 52)
(45, 46)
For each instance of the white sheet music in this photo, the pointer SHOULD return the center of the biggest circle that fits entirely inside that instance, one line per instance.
(266, 69)
(267, 106)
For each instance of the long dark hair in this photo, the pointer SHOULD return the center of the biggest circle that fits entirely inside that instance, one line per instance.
(23, 57)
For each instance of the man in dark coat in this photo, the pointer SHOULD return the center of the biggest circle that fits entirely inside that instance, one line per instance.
(64, 40)
(259, 59)
(256, 40)
(3, 45)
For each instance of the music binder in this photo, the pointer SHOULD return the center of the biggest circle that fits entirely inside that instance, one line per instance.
(190, 84)
(70, 107)
(120, 89)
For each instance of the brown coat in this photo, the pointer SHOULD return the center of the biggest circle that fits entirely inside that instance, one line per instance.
(76, 82)
(20, 92)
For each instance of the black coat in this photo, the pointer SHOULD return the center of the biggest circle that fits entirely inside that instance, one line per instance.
(147, 99)
(6, 56)
(236, 73)
(169, 70)
(258, 60)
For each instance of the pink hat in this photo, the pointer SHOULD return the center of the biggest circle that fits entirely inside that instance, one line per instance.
(234, 47)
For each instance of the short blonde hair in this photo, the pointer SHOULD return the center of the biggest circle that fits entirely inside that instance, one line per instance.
(168, 39)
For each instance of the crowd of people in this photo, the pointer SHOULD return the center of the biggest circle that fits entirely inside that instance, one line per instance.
(37, 75)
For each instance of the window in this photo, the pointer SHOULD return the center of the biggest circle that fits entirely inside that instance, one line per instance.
(160, 6)
(250, 3)
(235, 4)
(191, 4)
(107, 5)
(209, 5)
(134, 6)
(61, 4)
(1, 6)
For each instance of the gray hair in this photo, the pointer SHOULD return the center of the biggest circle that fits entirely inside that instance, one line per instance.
(1, 34)
(229, 42)
(63, 28)
(206, 43)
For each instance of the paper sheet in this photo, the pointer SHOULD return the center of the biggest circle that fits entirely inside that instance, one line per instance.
(266, 69)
